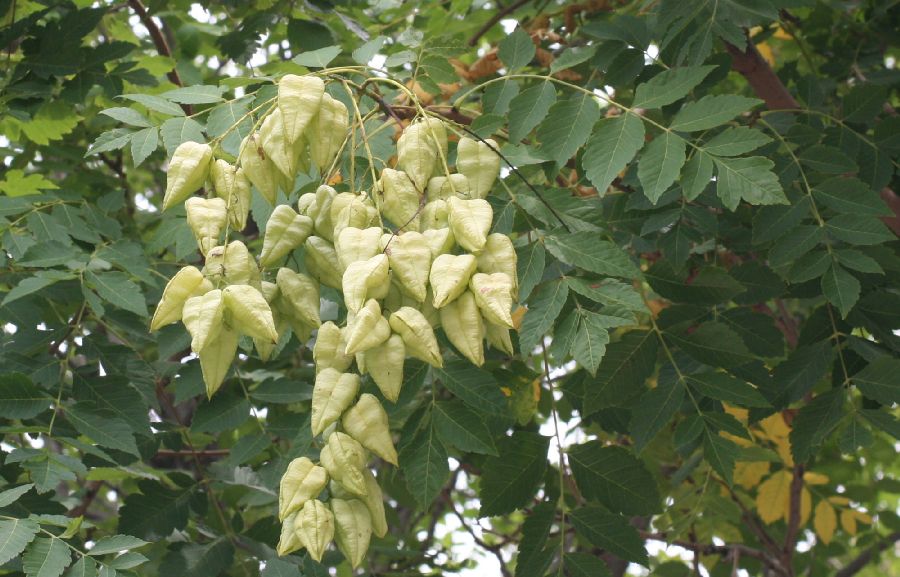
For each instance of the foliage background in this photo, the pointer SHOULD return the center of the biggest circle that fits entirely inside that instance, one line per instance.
(723, 361)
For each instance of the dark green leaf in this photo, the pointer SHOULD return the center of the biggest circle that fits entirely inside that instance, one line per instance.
(658, 406)
(587, 251)
(627, 365)
(611, 532)
(516, 50)
(424, 465)
(19, 398)
(726, 388)
(510, 480)
(814, 422)
(15, 535)
(612, 146)
(46, 557)
(615, 478)
(715, 344)
(529, 108)
(669, 86)
(859, 230)
(840, 288)
(543, 310)
(473, 386)
(711, 111)
(660, 164)
(530, 267)
(156, 511)
(880, 380)
(568, 126)
(107, 431)
(461, 427)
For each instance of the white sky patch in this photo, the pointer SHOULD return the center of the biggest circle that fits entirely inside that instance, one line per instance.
(509, 24)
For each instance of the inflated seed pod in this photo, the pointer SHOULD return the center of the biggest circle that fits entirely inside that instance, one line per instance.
(328, 352)
(374, 501)
(384, 363)
(417, 335)
(362, 280)
(232, 186)
(299, 296)
(216, 358)
(203, 317)
(499, 255)
(232, 263)
(330, 129)
(306, 205)
(302, 481)
(290, 538)
(325, 195)
(410, 258)
(354, 244)
(322, 261)
(493, 295)
(345, 460)
(352, 529)
(450, 276)
(299, 100)
(498, 337)
(265, 347)
(463, 325)
(207, 218)
(479, 163)
(277, 146)
(285, 231)
(368, 329)
(259, 168)
(314, 526)
(443, 187)
(435, 214)
(417, 150)
(367, 422)
(333, 394)
(399, 199)
(439, 240)
(187, 282)
(357, 214)
(187, 172)
(250, 313)
(470, 221)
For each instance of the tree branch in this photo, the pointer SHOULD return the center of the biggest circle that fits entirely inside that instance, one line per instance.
(863, 559)
(790, 537)
(765, 83)
(500, 15)
(159, 40)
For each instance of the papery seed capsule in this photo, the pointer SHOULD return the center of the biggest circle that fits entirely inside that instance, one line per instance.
(303, 480)
(187, 172)
(480, 164)
(353, 529)
(333, 394)
(367, 422)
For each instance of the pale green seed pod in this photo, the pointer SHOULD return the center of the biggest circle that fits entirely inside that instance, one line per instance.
(367, 422)
(384, 363)
(417, 335)
(259, 169)
(374, 501)
(187, 282)
(493, 295)
(418, 150)
(354, 244)
(333, 394)
(299, 296)
(470, 221)
(302, 481)
(322, 261)
(299, 100)
(306, 205)
(435, 215)
(203, 317)
(232, 186)
(187, 172)
(399, 199)
(499, 255)
(264, 347)
(250, 313)
(314, 526)
(290, 538)
(285, 231)
(206, 218)
(498, 337)
(353, 529)
(439, 240)
(345, 460)
(463, 325)
(443, 187)
(450, 276)
(479, 163)
(216, 358)
(368, 329)
(325, 195)
(328, 352)
(410, 259)
(278, 147)
(330, 129)
(233, 264)
(362, 279)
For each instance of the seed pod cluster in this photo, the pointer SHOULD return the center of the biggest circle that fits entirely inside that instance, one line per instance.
(413, 256)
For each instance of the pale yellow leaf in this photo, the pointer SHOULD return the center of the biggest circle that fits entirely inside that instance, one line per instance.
(825, 521)
(848, 521)
(838, 500)
(805, 505)
(748, 475)
(815, 478)
(863, 517)
(773, 497)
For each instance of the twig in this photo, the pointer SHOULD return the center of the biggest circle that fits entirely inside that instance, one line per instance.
(790, 537)
(863, 559)
(500, 15)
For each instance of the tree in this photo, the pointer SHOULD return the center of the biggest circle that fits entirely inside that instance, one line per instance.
(685, 211)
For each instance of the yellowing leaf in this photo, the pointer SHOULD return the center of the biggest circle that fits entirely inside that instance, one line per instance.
(774, 426)
(738, 413)
(825, 521)
(740, 441)
(811, 478)
(837, 500)
(848, 521)
(863, 517)
(748, 475)
(805, 505)
(773, 497)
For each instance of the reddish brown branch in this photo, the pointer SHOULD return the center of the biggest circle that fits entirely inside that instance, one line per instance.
(762, 78)
(500, 15)
(790, 537)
